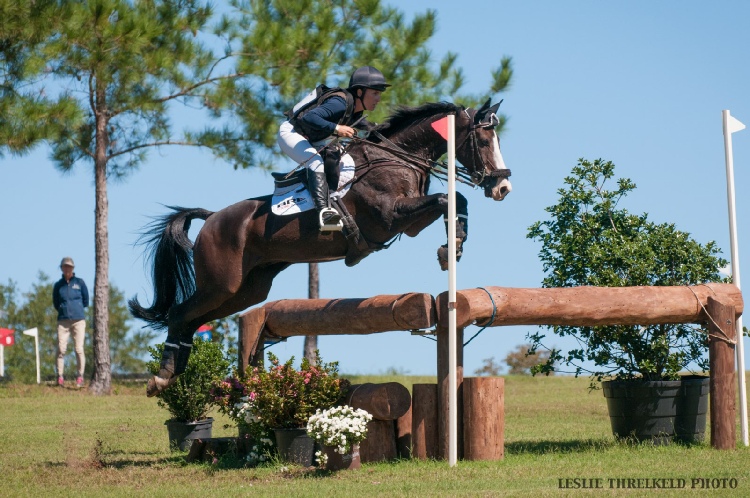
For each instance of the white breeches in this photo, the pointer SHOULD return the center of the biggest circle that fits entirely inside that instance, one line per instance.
(301, 151)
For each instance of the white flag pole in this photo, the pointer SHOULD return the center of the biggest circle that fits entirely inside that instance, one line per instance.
(731, 125)
(35, 332)
(452, 384)
(38, 372)
(2, 360)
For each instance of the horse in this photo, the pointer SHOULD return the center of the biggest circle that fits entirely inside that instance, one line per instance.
(240, 249)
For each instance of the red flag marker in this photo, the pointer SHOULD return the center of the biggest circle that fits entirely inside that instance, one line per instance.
(441, 126)
(7, 337)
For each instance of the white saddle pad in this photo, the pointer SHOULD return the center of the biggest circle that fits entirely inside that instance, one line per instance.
(294, 199)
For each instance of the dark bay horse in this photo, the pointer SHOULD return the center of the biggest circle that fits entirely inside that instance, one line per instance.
(241, 248)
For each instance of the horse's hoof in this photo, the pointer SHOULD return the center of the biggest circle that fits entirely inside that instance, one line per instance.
(442, 254)
(158, 384)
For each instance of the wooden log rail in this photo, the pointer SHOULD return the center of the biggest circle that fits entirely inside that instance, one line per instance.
(587, 306)
(501, 306)
(295, 317)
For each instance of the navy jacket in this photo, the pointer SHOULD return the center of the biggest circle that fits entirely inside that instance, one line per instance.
(70, 298)
(321, 121)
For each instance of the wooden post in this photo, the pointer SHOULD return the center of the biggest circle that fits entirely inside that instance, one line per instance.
(380, 443)
(442, 369)
(721, 350)
(424, 421)
(484, 418)
(403, 434)
(250, 340)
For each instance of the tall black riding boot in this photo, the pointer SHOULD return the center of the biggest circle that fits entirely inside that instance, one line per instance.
(329, 218)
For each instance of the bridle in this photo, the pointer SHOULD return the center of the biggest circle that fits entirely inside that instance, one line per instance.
(479, 177)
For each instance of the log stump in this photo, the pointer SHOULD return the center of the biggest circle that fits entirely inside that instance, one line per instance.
(386, 401)
(484, 418)
(425, 421)
(380, 444)
(403, 435)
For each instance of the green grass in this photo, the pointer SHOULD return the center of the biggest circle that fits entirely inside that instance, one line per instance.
(63, 442)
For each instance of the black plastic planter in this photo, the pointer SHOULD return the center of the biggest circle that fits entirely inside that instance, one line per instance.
(182, 434)
(660, 411)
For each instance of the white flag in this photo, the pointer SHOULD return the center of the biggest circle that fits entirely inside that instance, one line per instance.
(734, 124)
(32, 332)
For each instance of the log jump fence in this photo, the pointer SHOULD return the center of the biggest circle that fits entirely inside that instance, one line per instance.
(424, 426)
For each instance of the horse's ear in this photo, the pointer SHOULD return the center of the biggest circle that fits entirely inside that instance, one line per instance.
(486, 116)
(482, 112)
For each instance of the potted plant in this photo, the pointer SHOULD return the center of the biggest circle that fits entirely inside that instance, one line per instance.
(281, 399)
(233, 398)
(188, 400)
(339, 430)
(590, 240)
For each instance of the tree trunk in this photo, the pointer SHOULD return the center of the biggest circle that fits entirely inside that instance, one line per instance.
(313, 292)
(101, 381)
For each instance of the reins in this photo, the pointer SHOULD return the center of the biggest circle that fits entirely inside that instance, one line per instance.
(439, 169)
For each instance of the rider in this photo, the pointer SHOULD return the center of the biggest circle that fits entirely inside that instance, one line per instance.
(334, 113)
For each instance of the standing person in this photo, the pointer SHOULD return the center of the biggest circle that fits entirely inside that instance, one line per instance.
(312, 122)
(70, 296)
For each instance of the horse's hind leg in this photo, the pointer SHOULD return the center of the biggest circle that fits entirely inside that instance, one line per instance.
(201, 308)
(179, 342)
(254, 290)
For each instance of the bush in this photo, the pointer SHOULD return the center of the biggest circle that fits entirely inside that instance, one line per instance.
(590, 241)
(189, 398)
(280, 397)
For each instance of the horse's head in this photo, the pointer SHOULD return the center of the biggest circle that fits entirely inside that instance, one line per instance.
(478, 150)
(421, 131)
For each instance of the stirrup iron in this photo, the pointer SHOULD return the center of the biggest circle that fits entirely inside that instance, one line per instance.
(330, 227)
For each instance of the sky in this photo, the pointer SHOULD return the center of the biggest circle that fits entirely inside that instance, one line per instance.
(640, 83)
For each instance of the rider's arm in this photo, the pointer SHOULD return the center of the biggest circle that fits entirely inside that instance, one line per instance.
(326, 115)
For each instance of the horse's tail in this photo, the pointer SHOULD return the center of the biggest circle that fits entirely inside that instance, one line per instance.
(170, 251)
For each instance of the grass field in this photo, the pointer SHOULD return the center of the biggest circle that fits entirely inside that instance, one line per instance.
(65, 442)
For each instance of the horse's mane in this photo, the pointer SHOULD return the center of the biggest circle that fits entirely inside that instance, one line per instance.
(405, 116)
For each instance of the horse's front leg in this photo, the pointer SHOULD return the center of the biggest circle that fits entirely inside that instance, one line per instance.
(412, 215)
(462, 231)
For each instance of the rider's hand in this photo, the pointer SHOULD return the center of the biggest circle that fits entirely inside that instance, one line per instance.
(345, 131)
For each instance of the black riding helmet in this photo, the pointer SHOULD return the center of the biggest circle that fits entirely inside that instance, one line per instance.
(368, 77)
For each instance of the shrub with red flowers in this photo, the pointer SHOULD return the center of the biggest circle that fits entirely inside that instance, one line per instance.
(280, 397)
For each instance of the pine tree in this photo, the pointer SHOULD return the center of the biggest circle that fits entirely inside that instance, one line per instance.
(118, 67)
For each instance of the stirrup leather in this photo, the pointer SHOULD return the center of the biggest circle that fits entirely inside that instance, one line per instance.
(330, 226)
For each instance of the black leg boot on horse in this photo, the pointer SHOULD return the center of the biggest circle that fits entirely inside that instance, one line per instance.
(174, 361)
(167, 368)
(329, 218)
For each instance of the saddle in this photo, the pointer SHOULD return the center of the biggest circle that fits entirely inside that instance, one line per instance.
(284, 180)
(288, 184)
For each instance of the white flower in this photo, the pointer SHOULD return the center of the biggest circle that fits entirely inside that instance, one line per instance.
(341, 427)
